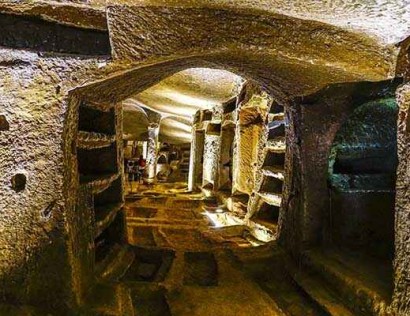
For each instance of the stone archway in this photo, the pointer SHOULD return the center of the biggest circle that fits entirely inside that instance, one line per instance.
(275, 73)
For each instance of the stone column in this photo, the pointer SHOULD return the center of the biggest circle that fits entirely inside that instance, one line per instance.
(228, 120)
(150, 174)
(197, 151)
(212, 150)
(225, 162)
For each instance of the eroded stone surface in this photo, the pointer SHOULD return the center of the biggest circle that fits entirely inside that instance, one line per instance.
(401, 297)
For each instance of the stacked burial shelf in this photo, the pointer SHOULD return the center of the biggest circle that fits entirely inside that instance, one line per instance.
(269, 192)
(98, 165)
(185, 154)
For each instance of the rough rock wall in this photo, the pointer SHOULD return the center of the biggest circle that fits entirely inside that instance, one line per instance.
(78, 208)
(34, 253)
(384, 20)
(289, 220)
(246, 138)
(401, 299)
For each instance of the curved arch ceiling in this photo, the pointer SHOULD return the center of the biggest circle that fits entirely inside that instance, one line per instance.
(177, 98)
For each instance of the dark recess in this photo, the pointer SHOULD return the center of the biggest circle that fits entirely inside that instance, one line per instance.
(4, 125)
(94, 120)
(33, 33)
(18, 182)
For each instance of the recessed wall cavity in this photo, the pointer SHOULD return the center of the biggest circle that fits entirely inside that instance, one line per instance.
(18, 182)
(4, 124)
(40, 35)
(362, 176)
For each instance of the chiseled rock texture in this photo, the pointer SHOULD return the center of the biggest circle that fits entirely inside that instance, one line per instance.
(247, 42)
(402, 265)
(35, 256)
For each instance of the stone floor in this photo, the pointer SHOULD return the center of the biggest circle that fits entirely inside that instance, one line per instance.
(185, 255)
(183, 262)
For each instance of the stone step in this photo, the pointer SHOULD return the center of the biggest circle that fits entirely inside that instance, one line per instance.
(363, 283)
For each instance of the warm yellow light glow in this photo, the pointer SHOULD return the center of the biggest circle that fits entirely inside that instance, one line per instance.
(181, 98)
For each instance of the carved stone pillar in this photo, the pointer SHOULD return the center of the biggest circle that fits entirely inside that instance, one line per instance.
(150, 174)
(195, 162)
(212, 149)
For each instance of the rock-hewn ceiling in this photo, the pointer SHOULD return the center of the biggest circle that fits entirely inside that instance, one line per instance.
(177, 98)
(387, 20)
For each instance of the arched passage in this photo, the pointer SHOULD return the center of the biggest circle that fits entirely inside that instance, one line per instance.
(362, 179)
(275, 74)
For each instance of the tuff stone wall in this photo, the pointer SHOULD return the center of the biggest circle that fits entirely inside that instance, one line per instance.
(401, 299)
(249, 136)
(35, 221)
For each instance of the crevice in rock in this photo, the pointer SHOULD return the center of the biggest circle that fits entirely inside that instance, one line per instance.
(23, 32)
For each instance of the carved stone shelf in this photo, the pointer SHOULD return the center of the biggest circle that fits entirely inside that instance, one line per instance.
(98, 183)
(271, 198)
(91, 140)
(277, 144)
(276, 117)
(277, 172)
(105, 215)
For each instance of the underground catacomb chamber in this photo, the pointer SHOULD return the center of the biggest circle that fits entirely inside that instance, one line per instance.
(254, 164)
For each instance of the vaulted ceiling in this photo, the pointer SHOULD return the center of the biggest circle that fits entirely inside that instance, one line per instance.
(177, 98)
